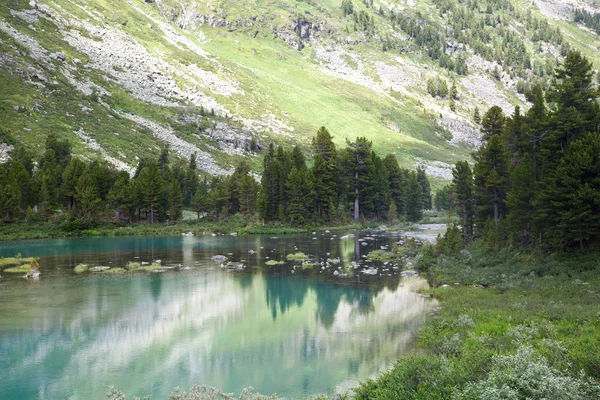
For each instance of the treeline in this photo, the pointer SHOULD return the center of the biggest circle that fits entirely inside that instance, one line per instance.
(536, 179)
(588, 19)
(352, 182)
(340, 182)
(88, 191)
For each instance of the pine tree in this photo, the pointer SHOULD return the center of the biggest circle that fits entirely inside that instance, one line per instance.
(122, 197)
(70, 177)
(476, 116)
(520, 201)
(425, 188)
(175, 199)
(299, 194)
(462, 186)
(443, 199)
(269, 185)
(491, 181)
(200, 201)
(380, 187)
(151, 188)
(324, 173)
(492, 122)
(571, 203)
(298, 159)
(454, 91)
(397, 182)
(87, 197)
(18, 173)
(10, 196)
(360, 169)
(442, 88)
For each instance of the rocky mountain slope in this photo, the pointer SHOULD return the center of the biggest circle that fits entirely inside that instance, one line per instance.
(225, 78)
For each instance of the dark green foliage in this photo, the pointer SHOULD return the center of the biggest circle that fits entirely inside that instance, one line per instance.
(588, 19)
(396, 182)
(347, 7)
(443, 199)
(476, 116)
(491, 181)
(360, 169)
(425, 189)
(414, 197)
(462, 186)
(492, 122)
(325, 172)
(540, 170)
(150, 189)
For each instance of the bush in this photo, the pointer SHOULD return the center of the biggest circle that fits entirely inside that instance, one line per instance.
(77, 225)
(527, 375)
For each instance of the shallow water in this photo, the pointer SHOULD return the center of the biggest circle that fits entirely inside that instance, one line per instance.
(71, 336)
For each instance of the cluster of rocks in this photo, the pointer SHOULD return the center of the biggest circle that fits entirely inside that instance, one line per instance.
(294, 34)
(231, 138)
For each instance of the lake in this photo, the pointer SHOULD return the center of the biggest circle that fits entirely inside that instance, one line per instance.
(284, 329)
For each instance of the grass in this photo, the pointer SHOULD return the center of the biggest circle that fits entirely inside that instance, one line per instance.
(80, 268)
(26, 268)
(297, 256)
(504, 315)
(52, 229)
(8, 261)
(382, 255)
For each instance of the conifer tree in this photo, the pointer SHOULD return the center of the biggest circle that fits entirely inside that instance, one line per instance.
(10, 196)
(324, 173)
(269, 183)
(491, 181)
(425, 188)
(380, 187)
(122, 197)
(87, 197)
(520, 201)
(462, 186)
(414, 198)
(300, 195)
(492, 122)
(360, 171)
(397, 182)
(151, 188)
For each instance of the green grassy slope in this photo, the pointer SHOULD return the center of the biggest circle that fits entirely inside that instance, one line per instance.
(241, 58)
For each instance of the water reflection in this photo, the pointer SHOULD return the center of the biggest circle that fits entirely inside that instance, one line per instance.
(73, 336)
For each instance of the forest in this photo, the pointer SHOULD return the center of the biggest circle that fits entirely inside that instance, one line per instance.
(353, 183)
(536, 179)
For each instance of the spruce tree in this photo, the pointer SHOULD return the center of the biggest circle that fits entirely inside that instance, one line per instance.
(462, 186)
(299, 193)
(491, 181)
(10, 196)
(414, 198)
(325, 172)
(425, 188)
(492, 122)
(360, 170)
(87, 197)
(520, 201)
(151, 188)
(397, 182)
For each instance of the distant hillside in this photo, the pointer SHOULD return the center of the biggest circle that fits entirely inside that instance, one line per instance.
(225, 78)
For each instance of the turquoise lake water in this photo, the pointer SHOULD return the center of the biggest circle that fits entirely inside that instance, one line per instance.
(285, 330)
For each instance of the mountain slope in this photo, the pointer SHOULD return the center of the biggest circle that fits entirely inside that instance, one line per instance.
(121, 78)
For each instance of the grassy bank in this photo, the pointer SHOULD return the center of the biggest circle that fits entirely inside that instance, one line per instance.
(512, 325)
(60, 229)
